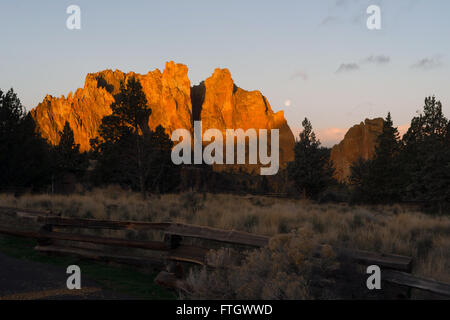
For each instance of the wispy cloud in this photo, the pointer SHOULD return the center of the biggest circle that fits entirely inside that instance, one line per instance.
(340, 3)
(347, 67)
(344, 3)
(373, 59)
(345, 11)
(377, 59)
(428, 63)
(329, 20)
(299, 74)
(354, 11)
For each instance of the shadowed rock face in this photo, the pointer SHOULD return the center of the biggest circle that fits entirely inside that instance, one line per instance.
(217, 102)
(359, 141)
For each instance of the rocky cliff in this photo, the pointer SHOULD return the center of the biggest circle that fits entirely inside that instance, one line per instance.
(168, 94)
(220, 104)
(217, 102)
(359, 141)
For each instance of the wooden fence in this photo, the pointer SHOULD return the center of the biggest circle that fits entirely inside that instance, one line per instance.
(395, 268)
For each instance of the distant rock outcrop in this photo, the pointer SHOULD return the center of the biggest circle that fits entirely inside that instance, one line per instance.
(220, 104)
(217, 102)
(168, 94)
(359, 141)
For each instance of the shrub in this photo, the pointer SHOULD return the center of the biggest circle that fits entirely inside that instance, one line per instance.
(192, 201)
(292, 266)
(250, 221)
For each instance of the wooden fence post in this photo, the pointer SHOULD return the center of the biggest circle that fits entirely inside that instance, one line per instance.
(173, 241)
(45, 241)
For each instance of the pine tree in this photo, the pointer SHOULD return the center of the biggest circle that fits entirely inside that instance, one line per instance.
(427, 130)
(129, 153)
(385, 169)
(125, 129)
(311, 170)
(426, 157)
(162, 174)
(379, 180)
(67, 156)
(24, 155)
(360, 180)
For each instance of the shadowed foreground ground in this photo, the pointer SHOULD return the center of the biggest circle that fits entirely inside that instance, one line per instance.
(24, 280)
(27, 274)
(392, 229)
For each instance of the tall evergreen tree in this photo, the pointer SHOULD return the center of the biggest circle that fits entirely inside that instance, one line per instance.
(388, 145)
(24, 155)
(359, 179)
(386, 170)
(67, 156)
(311, 169)
(128, 151)
(379, 179)
(426, 156)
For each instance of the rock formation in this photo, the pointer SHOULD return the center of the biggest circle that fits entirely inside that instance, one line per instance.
(217, 102)
(168, 94)
(220, 104)
(359, 141)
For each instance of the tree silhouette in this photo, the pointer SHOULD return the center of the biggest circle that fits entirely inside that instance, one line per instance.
(311, 170)
(416, 168)
(24, 155)
(379, 179)
(426, 156)
(67, 157)
(127, 150)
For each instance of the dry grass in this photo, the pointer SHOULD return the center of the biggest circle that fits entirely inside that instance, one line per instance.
(289, 268)
(389, 229)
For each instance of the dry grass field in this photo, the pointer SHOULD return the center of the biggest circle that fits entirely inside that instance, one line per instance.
(389, 229)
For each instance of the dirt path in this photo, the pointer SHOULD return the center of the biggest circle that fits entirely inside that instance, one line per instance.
(24, 280)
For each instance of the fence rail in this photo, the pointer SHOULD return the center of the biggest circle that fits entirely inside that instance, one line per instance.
(396, 269)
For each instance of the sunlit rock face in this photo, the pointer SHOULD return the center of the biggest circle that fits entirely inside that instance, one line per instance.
(359, 141)
(168, 94)
(217, 102)
(222, 105)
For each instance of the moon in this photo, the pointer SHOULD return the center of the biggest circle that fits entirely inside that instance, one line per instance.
(287, 103)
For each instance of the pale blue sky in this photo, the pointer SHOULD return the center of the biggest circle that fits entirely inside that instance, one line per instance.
(289, 50)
